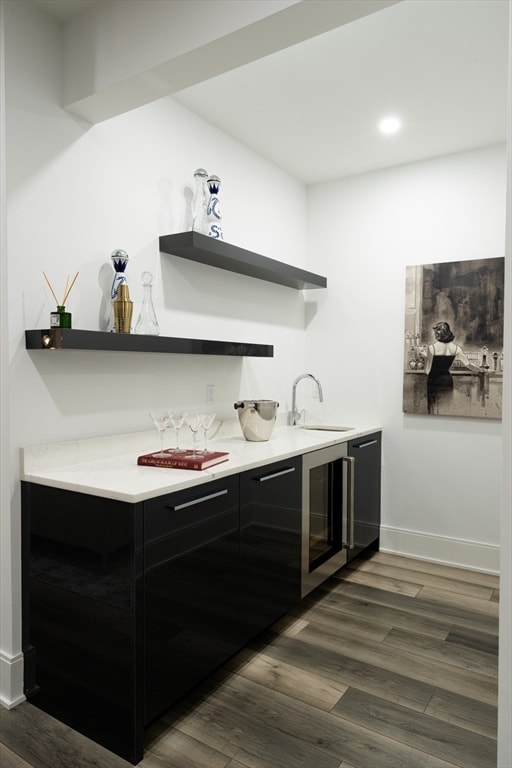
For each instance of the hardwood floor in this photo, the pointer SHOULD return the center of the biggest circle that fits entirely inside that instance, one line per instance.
(390, 664)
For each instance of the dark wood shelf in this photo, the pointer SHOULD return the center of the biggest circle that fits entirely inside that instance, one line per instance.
(72, 338)
(217, 253)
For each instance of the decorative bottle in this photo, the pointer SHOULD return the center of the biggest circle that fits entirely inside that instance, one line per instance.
(213, 210)
(60, 318)
(200, 220)
(120, 294)
(123, 310)
(147, 322)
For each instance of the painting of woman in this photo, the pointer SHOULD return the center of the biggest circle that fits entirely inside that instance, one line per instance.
(440, 357)
(458, 372)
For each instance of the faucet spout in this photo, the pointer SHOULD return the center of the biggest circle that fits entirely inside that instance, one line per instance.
(295, 413)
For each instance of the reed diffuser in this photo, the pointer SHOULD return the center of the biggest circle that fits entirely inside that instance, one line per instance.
(60, 318)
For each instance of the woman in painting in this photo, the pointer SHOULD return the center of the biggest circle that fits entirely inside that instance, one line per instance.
(440, 357)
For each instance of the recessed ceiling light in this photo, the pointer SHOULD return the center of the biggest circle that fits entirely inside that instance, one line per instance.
(390, 125)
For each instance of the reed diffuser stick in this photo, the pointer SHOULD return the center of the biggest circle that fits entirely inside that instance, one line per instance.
(51, 289)
(69, 289)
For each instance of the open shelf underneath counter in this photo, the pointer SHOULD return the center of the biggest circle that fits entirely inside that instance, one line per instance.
(72, 338)
(217, 253)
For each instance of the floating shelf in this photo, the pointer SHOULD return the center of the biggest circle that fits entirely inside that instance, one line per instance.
(72, 338)
(217, 253)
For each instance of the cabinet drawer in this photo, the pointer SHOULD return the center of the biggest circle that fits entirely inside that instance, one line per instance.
(177, 512)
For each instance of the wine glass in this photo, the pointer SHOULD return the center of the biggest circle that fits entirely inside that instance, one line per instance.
(177, 420)
(206, 422)
(160, 420)
(193, 421)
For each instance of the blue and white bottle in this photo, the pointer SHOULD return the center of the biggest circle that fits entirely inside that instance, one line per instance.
(213, 213)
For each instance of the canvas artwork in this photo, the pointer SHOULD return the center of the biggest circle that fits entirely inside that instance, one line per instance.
(453, 346)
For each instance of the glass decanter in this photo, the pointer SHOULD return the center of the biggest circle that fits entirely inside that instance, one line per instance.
(200, 220)
(147, 323)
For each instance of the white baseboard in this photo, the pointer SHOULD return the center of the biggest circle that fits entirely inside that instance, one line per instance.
(11, 680)
(441, 549)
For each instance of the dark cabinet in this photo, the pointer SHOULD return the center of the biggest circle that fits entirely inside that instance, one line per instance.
(127, 606)
(82, 613)
(191, 586)
(366, 452)
(270, 543)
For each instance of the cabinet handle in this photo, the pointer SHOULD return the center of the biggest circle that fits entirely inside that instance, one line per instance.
(197, 501)
(351, 464)
(274, 474)
(365, 445)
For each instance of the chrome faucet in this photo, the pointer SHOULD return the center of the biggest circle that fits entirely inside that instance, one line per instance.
(294, 413)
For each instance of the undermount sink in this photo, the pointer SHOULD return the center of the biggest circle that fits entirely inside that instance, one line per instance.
(327, 428)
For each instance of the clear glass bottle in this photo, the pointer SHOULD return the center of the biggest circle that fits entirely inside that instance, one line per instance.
(147, 323)
(199, 220)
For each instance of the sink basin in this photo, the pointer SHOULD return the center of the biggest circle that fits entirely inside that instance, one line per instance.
(327, 428)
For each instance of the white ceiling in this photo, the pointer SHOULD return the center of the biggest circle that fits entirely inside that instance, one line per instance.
(65, 9)
(441, 65)
(312, 109)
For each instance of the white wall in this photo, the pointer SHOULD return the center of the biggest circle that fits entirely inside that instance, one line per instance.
(78, 193)
(441, 494)
(11, 660)
(505, 640)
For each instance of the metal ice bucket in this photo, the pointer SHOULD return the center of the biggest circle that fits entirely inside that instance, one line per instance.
(257, 418)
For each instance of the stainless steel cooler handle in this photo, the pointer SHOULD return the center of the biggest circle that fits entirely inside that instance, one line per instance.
(350, 464)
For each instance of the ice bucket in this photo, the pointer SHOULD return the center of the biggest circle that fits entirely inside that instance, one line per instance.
(257, 418)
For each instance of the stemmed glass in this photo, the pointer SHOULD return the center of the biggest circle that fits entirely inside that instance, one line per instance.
(193, 421)
(206, 422)
(161, 421)
(177, 420)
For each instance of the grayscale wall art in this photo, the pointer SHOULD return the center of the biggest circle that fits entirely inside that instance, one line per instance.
(453, 346)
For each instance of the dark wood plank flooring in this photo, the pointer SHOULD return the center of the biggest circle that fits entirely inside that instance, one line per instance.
(390, 664)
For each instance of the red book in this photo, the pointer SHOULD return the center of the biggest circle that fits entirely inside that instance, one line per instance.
(183, 459)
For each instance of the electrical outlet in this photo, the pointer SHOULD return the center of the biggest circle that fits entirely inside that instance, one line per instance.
(210, 393)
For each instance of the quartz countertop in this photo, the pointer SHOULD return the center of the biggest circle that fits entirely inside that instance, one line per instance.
(107, 466)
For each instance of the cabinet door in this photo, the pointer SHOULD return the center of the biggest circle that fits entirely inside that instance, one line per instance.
(191, 584)
(82, 620)
(270, 543)
(367, 473)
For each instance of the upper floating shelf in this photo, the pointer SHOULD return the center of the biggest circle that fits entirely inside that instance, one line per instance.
(217, 253)
(72, 338)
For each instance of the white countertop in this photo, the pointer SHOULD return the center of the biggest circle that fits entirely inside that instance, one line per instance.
(107, 466)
